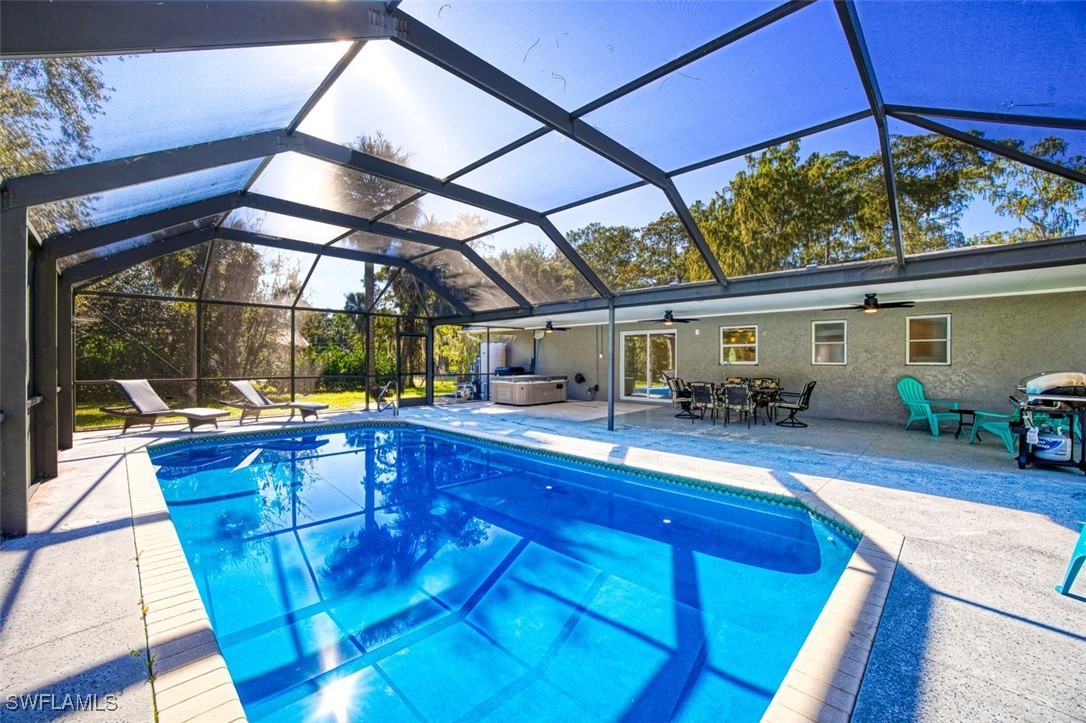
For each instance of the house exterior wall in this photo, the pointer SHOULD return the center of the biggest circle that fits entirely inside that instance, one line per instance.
(995, 342)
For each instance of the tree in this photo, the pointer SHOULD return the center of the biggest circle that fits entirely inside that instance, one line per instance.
(334, 347)
(1045, 202)
(47, 106)
(454, 351)
(937, 177)
(667, 255)
(783, 212)
(539, 272)
(611, 251)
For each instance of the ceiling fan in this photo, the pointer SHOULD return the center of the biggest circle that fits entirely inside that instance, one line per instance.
(668, 320)
(550, 328)
(871, 304)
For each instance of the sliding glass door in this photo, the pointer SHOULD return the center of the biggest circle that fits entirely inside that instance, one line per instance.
(646, 356)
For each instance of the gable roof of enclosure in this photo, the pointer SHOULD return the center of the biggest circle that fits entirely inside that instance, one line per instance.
(240, 133)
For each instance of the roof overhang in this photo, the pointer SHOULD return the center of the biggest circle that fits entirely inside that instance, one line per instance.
(1015, 269)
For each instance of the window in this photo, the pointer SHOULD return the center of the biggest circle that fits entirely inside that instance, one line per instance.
(829, 342)
(927, 339)
(646, 357)
(739, 344)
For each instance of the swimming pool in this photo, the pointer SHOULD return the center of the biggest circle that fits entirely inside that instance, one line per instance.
(402, 573)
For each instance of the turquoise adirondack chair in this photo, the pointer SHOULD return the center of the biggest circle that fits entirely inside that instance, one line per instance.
(1078, 557)
(997, 424)
(920, 408)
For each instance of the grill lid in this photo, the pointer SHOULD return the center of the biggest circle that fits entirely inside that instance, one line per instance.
(1069, 384)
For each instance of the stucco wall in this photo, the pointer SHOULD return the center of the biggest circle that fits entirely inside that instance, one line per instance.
(994, 343)
(576, 351)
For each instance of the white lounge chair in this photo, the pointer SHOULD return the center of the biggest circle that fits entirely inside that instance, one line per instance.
(145, 407)
(253, 402)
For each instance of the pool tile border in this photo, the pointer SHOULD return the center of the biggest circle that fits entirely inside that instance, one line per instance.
(192, 682)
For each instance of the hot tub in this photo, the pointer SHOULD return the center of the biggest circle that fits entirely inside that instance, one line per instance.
(528, 389)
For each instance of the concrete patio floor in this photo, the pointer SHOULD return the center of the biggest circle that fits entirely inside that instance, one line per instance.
(972, 630)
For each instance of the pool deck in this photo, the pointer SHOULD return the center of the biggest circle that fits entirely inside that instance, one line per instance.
(972, 628)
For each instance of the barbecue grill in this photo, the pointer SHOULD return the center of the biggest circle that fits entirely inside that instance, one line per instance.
(1061, 390)
(1050, 418)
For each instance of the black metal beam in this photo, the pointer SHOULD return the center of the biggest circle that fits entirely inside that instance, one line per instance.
(575, 258)
(110, 27)
(65, 367)
(436, 48)
(500, 281)
(44, 363)
(947, 264)
(16, 461)
(98, 236)
(346, 220)
(507, 148)
(694, 230)
(439, 50)
(355, 160)
(106, 265)
(762, 145)
(358, 223)
(315, 97)
(76, 242)
(850, 23)
(1075, 124)
(732, 36)
(98, 177)
(1001, 149)
(597, 197)
(329, 80)
(352, 254)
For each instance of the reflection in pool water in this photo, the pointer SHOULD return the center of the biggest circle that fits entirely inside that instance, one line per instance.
(399, 574)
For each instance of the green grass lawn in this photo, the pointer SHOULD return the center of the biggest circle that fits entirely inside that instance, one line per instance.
(88, 416)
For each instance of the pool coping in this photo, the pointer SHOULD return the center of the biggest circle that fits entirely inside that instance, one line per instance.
(191, 682)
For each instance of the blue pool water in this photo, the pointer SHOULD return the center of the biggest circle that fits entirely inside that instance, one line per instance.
(400, 574)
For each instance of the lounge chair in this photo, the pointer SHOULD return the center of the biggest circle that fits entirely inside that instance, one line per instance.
(253, 402)
(920, 408)
(145, 407)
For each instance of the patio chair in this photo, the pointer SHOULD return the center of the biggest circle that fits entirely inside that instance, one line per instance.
(703, 399)
(145, 407)
(1078, 557)
(680, 396)
(801, 403)
(740, 399)
(997, 424)
(921, 408)
(253, 402)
